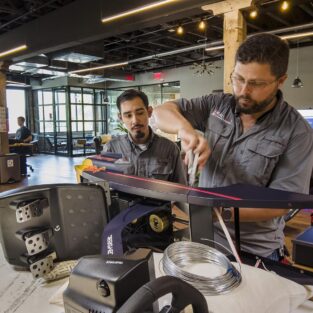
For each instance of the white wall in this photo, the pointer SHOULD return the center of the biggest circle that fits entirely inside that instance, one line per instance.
(300, 98)
(193, 85)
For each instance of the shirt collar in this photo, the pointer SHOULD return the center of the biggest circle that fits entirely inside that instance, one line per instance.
(274, 113)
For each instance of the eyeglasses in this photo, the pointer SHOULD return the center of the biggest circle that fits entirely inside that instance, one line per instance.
(251, 84)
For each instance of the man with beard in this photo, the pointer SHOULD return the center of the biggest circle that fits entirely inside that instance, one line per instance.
(148, 154)
(251, 136)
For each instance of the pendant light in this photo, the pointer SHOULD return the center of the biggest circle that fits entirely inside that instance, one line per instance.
(297, 82)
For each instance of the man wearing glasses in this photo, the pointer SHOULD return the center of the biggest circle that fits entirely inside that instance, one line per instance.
(251, 136)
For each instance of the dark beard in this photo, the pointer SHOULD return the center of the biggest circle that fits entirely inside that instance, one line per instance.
(139, 134)
(256, 107)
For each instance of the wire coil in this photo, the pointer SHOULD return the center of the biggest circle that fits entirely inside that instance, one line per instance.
(180, 256)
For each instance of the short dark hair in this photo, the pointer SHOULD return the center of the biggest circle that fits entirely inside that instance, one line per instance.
(22, 118)
(265, 49)
(131, 94)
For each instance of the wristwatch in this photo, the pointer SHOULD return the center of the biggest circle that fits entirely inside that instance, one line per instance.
(227, 214)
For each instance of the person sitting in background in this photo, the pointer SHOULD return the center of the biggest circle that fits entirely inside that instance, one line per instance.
(149, 155)
(23, 134)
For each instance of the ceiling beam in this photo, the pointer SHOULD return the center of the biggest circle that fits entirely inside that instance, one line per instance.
(277, 18)
(26, 13)
(159, 44)
(7, 10)
(133, 45)
(80, 22)
(216, 29)
(186, 42)
(250, 25)
(306, 9)
(144, 49)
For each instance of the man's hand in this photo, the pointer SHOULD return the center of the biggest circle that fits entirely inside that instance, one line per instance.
(169, 119)
(194, 141)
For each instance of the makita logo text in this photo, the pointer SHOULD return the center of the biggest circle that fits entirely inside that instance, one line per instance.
(110, 245)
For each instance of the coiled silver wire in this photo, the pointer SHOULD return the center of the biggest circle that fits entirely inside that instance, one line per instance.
(179, 255)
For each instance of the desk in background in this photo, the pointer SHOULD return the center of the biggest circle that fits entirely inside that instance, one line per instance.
(22, 148)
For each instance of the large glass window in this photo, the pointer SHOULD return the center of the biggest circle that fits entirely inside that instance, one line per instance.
(113, 119)
(76, 112)
(170, 91)
(154, 94)
(76, 95)
(68, 118)
(88, 96)
(47, 97)
(60, 96)
(100, 112)
(88, 112)
(16, 107)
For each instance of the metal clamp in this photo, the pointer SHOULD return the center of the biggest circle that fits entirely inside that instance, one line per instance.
(26, 210)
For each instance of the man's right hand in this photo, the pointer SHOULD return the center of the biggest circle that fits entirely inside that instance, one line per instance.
(194, 141)
(169, 119)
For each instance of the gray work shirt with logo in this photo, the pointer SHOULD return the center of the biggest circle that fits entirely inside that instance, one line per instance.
(276, 152)
(160, 158)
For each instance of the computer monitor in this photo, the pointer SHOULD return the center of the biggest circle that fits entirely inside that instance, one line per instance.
(308, 115)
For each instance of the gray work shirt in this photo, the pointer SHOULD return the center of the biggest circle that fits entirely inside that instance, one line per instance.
(160, 159)
(276, 152)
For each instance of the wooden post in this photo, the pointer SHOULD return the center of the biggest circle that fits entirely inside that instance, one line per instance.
(4, 141)
(235, 31)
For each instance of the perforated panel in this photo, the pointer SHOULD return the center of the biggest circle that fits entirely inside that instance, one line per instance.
(82, 219)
